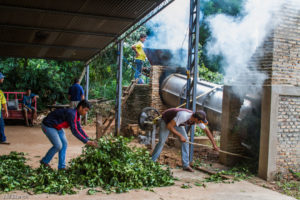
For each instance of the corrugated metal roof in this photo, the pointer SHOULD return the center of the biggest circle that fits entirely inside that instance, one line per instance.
(66, 29)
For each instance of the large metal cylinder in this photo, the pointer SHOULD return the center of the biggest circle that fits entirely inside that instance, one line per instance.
(173, 92)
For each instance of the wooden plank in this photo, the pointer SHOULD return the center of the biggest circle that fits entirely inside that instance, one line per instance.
(99, 126)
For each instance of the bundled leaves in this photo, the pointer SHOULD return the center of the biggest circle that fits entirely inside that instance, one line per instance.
(113, 166)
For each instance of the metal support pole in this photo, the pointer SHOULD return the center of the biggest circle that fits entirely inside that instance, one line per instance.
(119, 89)
(153, 136)
(87, 82)
(192, 67)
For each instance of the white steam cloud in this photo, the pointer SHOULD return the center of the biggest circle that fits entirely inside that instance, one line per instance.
(237, 39)
(170, 27)
(170, 31)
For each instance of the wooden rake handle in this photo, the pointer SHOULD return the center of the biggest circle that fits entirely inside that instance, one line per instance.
(226, 152)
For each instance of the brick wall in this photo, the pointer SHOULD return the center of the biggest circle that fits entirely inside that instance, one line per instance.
(279, 58)
(156, 72)
(280, 139)
(139, 99)
(288, 136)
(286, 53)
(286, 71)
(144, 95)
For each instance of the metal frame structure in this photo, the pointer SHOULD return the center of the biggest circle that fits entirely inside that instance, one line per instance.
(139, 23)
(87, 82)
(192, 67)
(119, 89)
(120, 58)
(69, 30)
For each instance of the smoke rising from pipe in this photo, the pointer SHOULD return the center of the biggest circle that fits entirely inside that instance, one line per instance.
(237, 39)
(170, 30)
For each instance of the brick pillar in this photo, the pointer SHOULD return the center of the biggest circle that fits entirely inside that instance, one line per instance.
(280, 122)
(156, 72)
(143, 95)
(230, 140)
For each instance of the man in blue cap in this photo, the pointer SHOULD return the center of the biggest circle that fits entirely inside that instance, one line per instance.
(2, 103)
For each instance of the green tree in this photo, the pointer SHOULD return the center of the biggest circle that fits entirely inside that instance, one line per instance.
(47, 78)
(103, 68)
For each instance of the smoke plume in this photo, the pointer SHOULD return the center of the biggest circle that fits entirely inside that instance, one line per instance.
(170, 30)
(237, 39)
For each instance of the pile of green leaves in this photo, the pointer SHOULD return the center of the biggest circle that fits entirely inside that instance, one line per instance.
(113, 166)
(14, 174)
(237, 173)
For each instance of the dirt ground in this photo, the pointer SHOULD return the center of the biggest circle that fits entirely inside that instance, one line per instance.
(32, 141)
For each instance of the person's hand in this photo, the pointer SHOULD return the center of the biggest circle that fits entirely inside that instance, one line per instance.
(182, 139)
(92, 143)
(6, 114)
(216, 148)
(137, 54)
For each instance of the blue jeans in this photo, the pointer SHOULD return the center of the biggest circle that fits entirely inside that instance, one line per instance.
(163, 135)
(60, 144)
(139, 64)
(2, 135)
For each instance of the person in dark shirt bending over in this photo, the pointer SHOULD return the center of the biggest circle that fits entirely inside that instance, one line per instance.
(53, 126)
(174, 120)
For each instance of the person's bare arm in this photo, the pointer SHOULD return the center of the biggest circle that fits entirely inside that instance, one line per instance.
(171, 126)
(211, 138)
(5, 110)
(134, 49)
(82, 97)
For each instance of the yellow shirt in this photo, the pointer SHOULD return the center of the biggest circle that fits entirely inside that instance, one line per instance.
(2, 100)
(139, 48)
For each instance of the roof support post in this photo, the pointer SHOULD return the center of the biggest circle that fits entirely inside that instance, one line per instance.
(87, 82)
(119, 89)
(192, 67)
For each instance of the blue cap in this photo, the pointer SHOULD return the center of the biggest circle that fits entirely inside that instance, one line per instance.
(1, 76)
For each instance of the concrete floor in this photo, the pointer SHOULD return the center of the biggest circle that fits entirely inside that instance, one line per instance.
(32, 141)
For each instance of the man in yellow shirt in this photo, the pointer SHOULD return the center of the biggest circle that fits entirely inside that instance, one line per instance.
(140, 55)
(3, 104)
